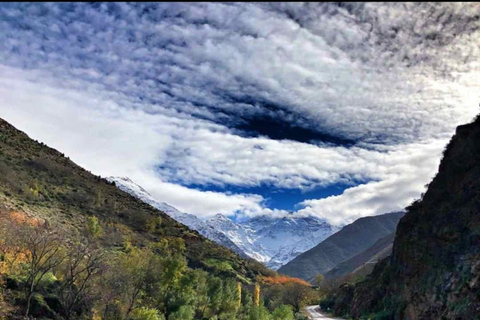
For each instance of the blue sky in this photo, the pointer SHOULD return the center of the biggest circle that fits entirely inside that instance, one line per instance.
(333, 110)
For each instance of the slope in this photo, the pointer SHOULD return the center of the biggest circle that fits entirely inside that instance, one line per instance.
(434, 271)
(190, 220)
(364, 260)
(349, 241)
(43, 182)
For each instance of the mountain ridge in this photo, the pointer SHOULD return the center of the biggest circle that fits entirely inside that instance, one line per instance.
(256, 237)
(352, 239)
(41, 180)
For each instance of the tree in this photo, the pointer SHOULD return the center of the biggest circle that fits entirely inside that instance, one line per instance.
(144, 313)
(283, 312)
(256, 295)
(184, 313)
(239, 294)
(45, 253)
(319, 280)
(259, 313)
(130, 277)
(297, 295)
(93, 227)
(83, 263)
(214, 295)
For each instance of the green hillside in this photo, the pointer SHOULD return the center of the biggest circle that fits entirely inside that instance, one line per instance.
(45, 183)
(74, 246)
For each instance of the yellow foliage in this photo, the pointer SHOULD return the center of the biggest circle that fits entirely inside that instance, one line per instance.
(256, 295)
(239, 294)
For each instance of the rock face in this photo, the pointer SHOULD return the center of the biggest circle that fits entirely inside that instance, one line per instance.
(346, 243)
(434, 270)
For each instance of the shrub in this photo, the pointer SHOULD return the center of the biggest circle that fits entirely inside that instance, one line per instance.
(144, 313)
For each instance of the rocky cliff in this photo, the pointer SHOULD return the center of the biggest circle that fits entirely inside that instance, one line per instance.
(434, 270)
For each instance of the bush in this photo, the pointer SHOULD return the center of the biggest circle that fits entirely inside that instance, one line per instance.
(283, 312)
(146, 314)
(184, 313)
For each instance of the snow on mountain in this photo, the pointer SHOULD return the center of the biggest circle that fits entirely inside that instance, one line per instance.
(269, 240)
(274, 241)
(286, 238)
(190, 220)
(241, 236)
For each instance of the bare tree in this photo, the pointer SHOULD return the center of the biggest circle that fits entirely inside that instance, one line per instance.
(83, 263)
(45, 252)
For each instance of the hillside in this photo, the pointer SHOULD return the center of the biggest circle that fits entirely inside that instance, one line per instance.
(346, 243)
(74, 246)
(434, 271)
(364, 261)
(187, 219)
(44, 183)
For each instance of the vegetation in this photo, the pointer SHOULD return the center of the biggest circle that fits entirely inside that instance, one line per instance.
(53, 273)
(73, 246)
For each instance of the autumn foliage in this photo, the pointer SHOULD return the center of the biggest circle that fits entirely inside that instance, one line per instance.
(281, 279)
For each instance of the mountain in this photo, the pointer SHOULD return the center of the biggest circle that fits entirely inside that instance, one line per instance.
(269, 240)
(43, 183)
(286, 238)
(274, 241)
(434, 269)
(190, 220)
(241, 236)
(363, 263)
(342, 245)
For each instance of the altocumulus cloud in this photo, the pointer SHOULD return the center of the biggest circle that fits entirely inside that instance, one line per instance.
(292, 96)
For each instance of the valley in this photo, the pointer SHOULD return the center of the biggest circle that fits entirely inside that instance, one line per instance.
(272, 241)
(239, 161)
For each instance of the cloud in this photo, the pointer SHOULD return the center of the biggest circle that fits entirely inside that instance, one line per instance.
(176, 95)
(335, 70)
(107, 142)
(408, 170)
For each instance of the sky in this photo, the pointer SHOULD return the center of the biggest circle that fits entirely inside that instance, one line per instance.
(333, 110)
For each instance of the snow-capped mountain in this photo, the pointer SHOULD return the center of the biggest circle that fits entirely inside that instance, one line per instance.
(241, 235)
(269, 240)
(288, 237)
(190, 220)
(274, 241)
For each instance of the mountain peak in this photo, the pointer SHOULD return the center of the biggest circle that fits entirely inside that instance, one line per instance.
(220, 216)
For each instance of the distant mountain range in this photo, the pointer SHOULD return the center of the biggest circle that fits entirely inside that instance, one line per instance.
(350, 241)
(363, 263)
(272, 241)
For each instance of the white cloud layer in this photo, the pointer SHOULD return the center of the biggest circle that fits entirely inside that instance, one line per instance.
(156, 91)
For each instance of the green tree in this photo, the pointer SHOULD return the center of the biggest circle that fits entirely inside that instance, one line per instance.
(94, 229)
(283, 312)
(144, 313)
(185, 312)
(319, 280)
(259, 313)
